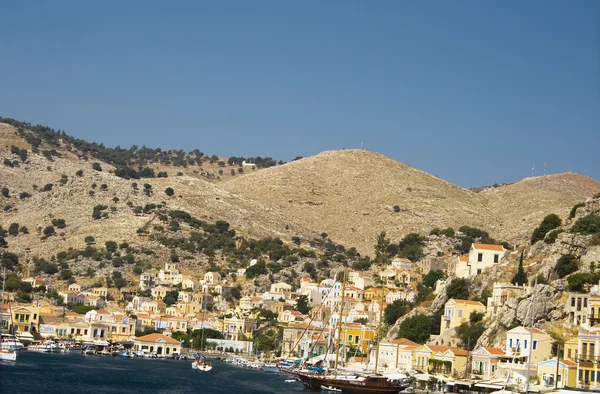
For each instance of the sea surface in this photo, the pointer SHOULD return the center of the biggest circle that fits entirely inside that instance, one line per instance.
(50, 373)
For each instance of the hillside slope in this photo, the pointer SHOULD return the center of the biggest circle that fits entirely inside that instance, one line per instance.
(74, 197)
(351, 195)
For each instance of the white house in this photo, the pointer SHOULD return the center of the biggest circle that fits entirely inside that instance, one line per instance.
(483, 256)
(212, 278)
(520, 341)
(147, 281)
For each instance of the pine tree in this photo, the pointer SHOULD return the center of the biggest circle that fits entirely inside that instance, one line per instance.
(520, 277)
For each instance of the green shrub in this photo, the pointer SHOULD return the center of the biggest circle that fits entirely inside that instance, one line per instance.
(549, 223)
(587, 225)
(566, 265)
(574, 209)
(552, 235)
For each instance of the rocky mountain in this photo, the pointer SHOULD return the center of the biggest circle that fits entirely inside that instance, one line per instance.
(351, 195)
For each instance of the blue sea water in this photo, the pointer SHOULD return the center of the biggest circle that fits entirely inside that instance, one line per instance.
(54, 373)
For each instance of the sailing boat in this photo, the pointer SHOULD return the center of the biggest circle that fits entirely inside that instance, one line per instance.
(7, 354)
(356, 383)
(201, 364)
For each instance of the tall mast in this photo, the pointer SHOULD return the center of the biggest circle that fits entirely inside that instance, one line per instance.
(337, 353)
(379, 331)
(531, 337)
(2, 297)
(202, 335)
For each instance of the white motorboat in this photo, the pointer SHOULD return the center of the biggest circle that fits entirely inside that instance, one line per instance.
(41, 347)
(10, 342)
(8, 355)
(203, 366)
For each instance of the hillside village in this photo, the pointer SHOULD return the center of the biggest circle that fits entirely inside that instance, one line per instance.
(448, 305)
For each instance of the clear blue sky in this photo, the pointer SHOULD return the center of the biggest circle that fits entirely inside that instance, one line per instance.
(472, 91)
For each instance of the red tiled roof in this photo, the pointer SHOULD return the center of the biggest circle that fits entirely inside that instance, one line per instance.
(496, 248)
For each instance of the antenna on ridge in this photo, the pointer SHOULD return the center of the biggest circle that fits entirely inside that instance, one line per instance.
(361, 146)
(532, 170)
(544, 168)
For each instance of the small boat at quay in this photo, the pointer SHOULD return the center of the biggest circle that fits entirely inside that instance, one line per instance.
(8, 355)
(10, 342)
(46, 347)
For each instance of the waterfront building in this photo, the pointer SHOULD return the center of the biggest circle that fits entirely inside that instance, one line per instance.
(158, 344)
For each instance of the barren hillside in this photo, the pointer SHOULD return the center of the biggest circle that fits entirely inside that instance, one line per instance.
(75, 200)
(350, 195)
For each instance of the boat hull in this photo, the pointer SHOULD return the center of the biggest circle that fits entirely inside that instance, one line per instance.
(8, 356)
(364, 385)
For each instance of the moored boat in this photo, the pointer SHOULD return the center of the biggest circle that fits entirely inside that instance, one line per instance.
(201, 365)
(8, 355)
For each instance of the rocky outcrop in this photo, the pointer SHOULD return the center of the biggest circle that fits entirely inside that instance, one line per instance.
(548, 308)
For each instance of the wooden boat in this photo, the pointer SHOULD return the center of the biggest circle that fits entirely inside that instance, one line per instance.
(351, 384)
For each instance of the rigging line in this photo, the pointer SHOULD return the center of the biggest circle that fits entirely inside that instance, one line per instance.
(311, 320)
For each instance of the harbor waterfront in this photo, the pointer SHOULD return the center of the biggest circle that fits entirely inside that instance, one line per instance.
(51, 373)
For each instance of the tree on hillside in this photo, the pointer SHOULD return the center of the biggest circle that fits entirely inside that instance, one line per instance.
(432, 277)
(302, 304)
(171, 297)
(381, 246)
(566, 265)
(169, 191)
(458, 289)
(396, 310)
(520, 277)
(416, 328)
(549, 223)
(469, 332)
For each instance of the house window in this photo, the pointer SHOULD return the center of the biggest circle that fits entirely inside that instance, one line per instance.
(510, 343)
(479, 272)
(480, 257)
(35, 315)
(585, 300)
(535, 345)
(572, 301)
(525, 344)
(460, 313)
(568, 353)
(493, 368)
(496, 258)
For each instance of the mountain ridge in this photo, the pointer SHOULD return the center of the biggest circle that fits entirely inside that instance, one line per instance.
(351, 195)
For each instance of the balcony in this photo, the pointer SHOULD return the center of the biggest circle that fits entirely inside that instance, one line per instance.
(516, 364)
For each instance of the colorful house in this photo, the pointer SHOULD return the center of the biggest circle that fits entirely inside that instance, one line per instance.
(567, 373)
(485, 361)
(158, 344)
(457, 312)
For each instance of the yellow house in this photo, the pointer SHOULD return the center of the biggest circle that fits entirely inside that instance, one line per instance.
(375, 293)
(587, 356)
(358, 336)
(567, 373)
(25, 319)
(158, 344)
(457, 312)
(443, 360)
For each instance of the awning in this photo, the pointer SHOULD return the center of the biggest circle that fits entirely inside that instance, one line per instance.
(422, 376)
(489, 386)
(26, 335)
(100, 343)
